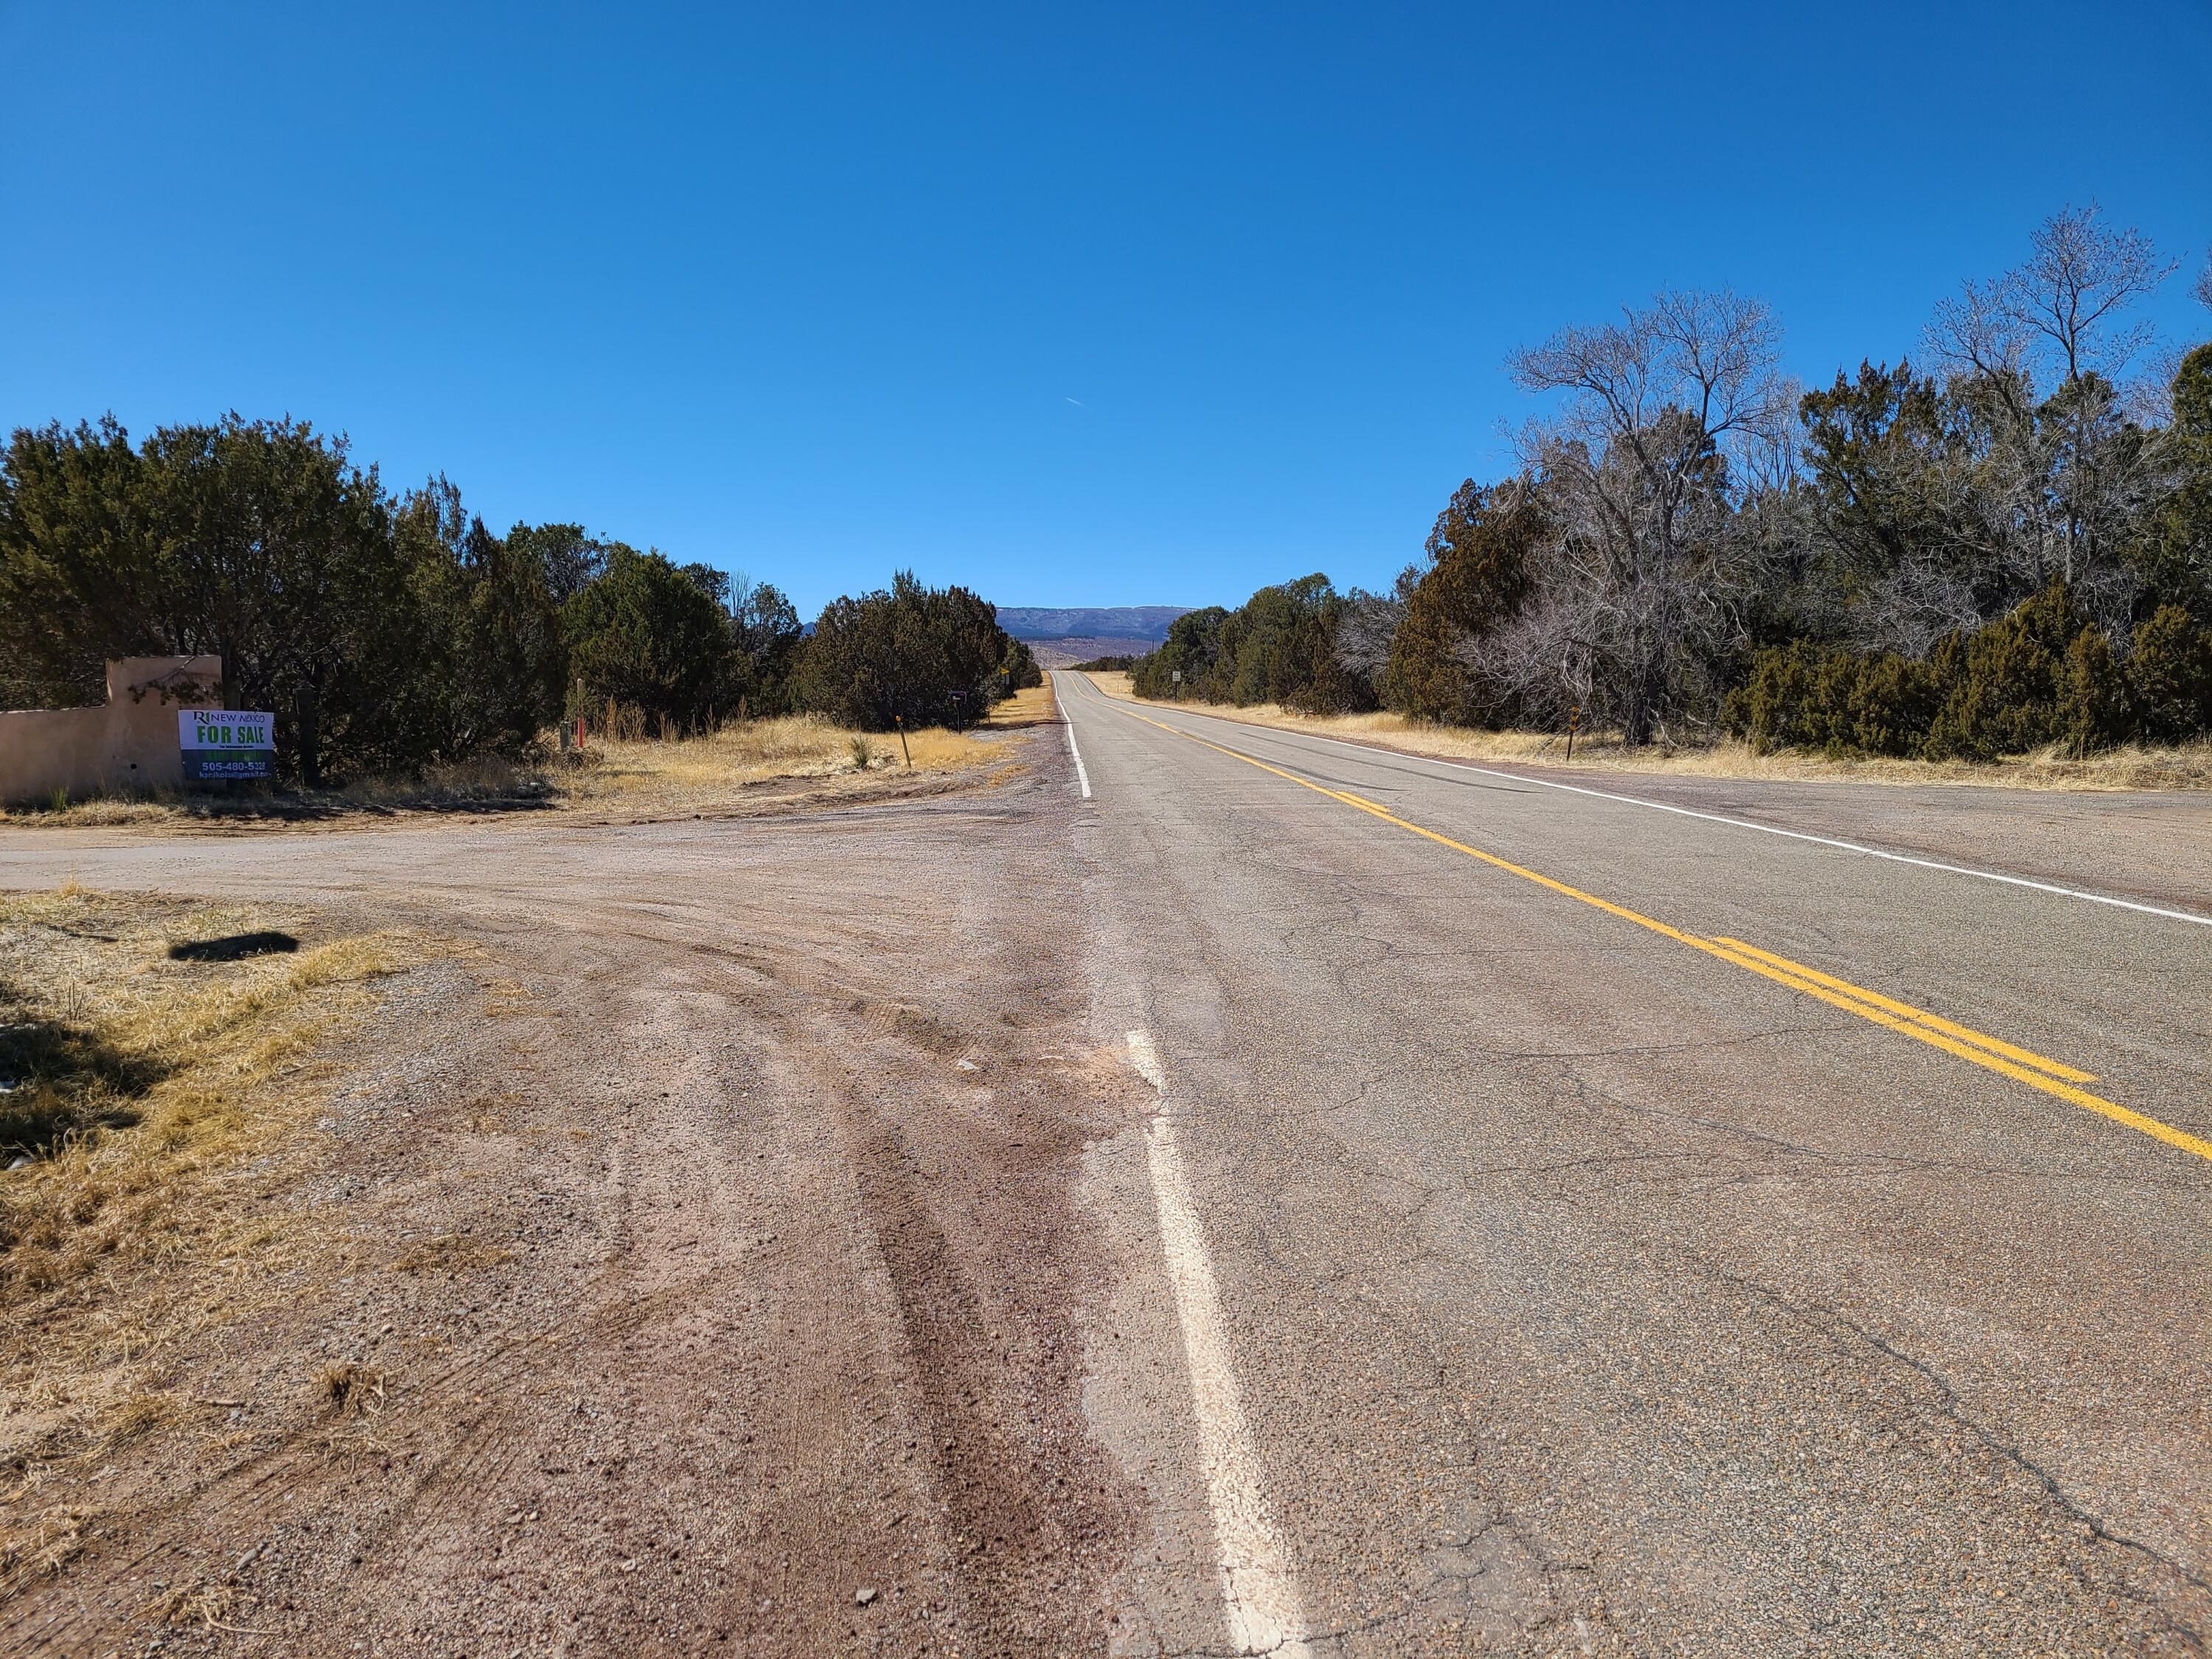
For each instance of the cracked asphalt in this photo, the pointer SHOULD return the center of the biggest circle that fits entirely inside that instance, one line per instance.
(1589, 1294)
(1585, 1292)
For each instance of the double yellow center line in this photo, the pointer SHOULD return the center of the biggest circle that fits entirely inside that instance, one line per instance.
(1991, 1053)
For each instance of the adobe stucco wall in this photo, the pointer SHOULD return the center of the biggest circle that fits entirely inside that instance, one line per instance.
(129, 742)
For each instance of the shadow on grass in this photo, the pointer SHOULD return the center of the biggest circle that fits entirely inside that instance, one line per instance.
(58, 1079)
(306, 808)
(235, 947)
(270, 803)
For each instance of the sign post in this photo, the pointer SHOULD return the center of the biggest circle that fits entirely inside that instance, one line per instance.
(219, 744)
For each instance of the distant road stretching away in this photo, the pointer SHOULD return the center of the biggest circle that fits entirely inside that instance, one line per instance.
(1210, 1189)
(1628, 1225)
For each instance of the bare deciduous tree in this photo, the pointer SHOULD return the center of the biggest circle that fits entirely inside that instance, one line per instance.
(2063, 305)
(2060, 319)
(1666, 415)
(1367, 623)
(2077, 283)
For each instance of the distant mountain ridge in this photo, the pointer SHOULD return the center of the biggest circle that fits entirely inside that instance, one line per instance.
(1123, 621)
(1073, 649)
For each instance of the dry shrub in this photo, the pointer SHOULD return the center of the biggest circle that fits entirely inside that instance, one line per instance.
(97, 812)
(351, 1389)
(489, 1114)
(620, 722)
(487, 778)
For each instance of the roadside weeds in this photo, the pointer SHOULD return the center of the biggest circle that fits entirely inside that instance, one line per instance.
(814, 759)
(159, 1051)
(794, 746)
(2186, 766)
(1032, 706)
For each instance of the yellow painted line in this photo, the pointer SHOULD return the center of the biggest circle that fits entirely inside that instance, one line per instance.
(2050, 1086)
(1918, 1016)
(2019, 1064)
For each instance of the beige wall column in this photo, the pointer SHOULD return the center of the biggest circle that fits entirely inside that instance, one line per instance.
(129, 742)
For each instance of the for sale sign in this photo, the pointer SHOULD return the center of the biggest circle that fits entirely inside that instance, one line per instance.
(226, 743)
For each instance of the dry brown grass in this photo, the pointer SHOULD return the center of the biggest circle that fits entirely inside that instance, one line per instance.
(454, 783)
(204, 1067)
(708, 770)
(459, 786)
(353, 1389)
(1035, 706)
(202, 1604)
(689, 774)
(450, 1253)
(41, 1543)
(2188, 766)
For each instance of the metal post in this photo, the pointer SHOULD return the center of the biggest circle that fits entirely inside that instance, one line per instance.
(1574, 718)
(899, 721)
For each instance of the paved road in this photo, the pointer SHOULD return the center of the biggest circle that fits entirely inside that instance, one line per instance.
(1590, 1286)
(1295, 1197)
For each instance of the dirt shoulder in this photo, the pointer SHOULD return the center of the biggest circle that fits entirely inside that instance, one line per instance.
(689, 1266)
(2187, 767)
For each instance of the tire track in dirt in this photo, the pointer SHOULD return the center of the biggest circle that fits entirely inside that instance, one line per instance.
(782, 1353)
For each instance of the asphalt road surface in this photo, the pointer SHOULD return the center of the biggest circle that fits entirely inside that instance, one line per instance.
(1591, 1286)
(1229, 1191)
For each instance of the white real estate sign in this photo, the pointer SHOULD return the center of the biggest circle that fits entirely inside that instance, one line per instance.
(226, 743)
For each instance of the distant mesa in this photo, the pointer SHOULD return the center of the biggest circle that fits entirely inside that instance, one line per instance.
(1085, 648)
(1144, 625)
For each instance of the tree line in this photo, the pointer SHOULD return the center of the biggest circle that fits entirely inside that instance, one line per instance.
(391, 631)
(2004, 544)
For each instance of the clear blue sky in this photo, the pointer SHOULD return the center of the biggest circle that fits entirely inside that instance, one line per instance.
(1105, 305)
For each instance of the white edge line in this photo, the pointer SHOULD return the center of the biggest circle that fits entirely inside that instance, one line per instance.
(1067, 725)
(1259, 1588)
(1716, 817)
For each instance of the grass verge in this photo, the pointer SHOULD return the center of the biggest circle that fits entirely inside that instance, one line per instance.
(690, 774)
(2187, 766)
(158, 1052)
(1033, 707)
(710, 770)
